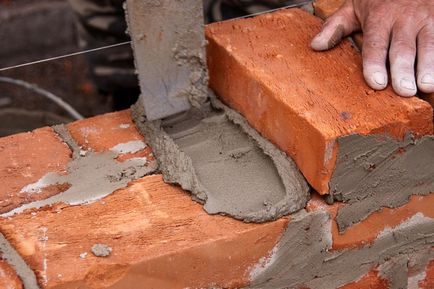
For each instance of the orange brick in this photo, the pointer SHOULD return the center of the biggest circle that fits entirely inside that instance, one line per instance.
(428, 283)
(8, 277)
(302, 100)
(429, 98)
(369, 281)
(366, 231)
(25, 158)
(158, 235)
(325, 8)
(101, 133)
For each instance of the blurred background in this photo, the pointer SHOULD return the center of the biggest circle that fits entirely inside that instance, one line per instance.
(32, 30)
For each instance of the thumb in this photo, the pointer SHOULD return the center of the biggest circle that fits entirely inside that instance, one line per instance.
(341, 24)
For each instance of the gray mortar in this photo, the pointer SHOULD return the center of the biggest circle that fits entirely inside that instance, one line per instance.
(168, 41)
(225, 164)
(396, 271)
(101, 250)
(65, 136)
(303, 256)
(373, 172)
(14, 259)
(91, 177)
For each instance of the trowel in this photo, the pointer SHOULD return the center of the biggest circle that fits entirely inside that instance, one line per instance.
(200, 144)
(169, 51)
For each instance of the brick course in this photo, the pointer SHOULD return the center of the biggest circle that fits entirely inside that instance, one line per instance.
(8, 277)
(161, 238)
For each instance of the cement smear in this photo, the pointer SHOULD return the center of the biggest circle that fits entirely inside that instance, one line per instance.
(373, 172)
(169, 47)
(210, 153)
(303, 257)
(14, 259)
(91, 176)
(101, 250)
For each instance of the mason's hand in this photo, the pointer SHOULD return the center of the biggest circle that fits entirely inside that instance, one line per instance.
(400, 29)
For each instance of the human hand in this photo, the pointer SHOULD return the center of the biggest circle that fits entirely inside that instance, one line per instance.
(400, 29)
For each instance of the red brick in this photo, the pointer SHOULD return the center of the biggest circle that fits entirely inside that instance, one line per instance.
(8, 277)
(264, 68)
(366, 231)
(369, 281)
(25, 158)
(429, 98)
(325, 8)
(428, 282)
(159, 237)
(101, 133)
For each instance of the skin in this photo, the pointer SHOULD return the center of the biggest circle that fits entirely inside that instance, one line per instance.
(394, 30)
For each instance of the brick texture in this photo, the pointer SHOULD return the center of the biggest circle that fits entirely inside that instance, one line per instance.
(25, 158)
(102, 133)
(369, 281)
(8, 277)
(365, 232)
(428, 282)
(302, 100)
(158, 235)
(325, 8)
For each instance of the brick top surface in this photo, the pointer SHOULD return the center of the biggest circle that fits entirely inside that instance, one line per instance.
(325, 89)
(103, 132)
(25, 158)
(8, 276)
(325, 8)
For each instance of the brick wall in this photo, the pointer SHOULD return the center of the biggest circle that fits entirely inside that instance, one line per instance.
(84, 206)
(161, 238)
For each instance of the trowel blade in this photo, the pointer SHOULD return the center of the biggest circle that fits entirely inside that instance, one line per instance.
(168, 42)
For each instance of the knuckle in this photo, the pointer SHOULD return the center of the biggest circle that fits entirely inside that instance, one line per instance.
(376, 43)
(426, 37)
(403, 45)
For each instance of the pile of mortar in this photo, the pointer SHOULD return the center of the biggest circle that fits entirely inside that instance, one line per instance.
(200, 144)
(226, 165)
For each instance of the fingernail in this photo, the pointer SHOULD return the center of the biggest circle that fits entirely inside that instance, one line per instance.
(318, 43)
(407, 84)
(379, 78)
(427, 79)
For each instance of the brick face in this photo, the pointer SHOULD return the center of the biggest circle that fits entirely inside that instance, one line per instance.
(158, 235)
(25, 158)
(302, 100)
(101, 133)
(369, 281)
(365, 232)
(8, 277)
(428, 282)
(325, 8)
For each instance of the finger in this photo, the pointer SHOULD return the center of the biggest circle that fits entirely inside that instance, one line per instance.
(425, 55)
(341, 24)
(402, 56)
(374, 52)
